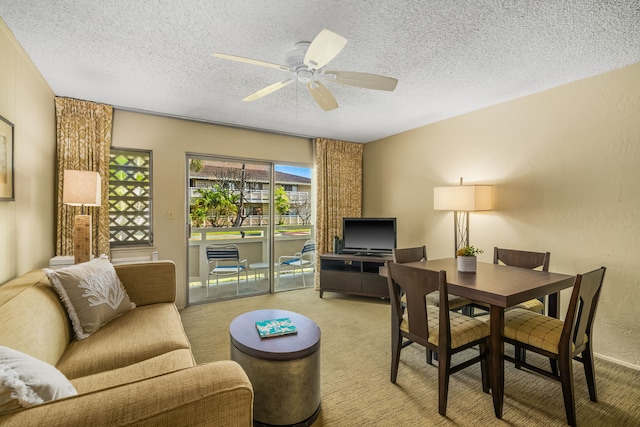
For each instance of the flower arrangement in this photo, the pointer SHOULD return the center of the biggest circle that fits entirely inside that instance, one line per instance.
(469, 251)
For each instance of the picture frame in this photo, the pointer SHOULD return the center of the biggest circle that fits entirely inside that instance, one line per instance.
(6, 161)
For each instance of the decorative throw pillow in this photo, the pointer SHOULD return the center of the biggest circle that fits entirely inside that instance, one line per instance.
(26, 381)
(92, 294)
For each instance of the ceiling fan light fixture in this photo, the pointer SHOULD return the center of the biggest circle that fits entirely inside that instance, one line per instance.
(304, 75)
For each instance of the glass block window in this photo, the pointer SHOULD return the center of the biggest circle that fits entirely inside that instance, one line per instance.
(130, 198)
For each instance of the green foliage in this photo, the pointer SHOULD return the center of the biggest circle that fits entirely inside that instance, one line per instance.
(198, 216)
(218, 203)
(469, 251)
(281, 203)
(195, 165)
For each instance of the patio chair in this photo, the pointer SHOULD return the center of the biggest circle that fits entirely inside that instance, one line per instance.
(303, 259)
(224, 260)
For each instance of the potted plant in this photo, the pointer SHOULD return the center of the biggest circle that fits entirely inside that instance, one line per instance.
(467, 260)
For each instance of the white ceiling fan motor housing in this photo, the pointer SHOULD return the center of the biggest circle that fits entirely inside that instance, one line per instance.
(295, 61)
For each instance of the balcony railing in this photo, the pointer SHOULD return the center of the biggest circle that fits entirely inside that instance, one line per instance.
(258, 220)
(261, 196)
(252, 243)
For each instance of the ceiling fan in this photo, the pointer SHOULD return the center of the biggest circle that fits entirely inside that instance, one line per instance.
(305, 63)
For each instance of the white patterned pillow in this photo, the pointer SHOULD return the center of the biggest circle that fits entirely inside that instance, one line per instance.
(26, 381)
(92, 294)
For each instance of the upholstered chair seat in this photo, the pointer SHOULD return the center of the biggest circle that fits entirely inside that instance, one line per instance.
(533, 305)
(464, 329)
(455, 302)
(534, 329)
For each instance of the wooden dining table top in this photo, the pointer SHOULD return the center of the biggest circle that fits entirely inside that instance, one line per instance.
(498, 285)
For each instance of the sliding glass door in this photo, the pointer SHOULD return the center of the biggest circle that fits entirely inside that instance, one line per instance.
(248, 223)
(294, 246)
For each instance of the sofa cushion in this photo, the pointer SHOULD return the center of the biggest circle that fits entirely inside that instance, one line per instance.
(140, 334)
(92, 294)
(159, 365)
(26, 381)
(33, 319)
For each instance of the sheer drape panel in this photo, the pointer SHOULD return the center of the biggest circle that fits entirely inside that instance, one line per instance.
(339, 194)
(83, 133)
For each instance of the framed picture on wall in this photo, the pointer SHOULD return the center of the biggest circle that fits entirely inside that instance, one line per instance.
(6, 160)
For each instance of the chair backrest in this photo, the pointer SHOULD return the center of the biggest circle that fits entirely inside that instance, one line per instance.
(581, 311)
(309, 246)
(522, 259)
(222, 253)
(415, 284)
(403, 255)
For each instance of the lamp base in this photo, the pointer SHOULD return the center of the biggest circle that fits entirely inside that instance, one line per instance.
(82, 238)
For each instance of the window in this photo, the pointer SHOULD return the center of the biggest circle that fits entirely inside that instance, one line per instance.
(130, 198)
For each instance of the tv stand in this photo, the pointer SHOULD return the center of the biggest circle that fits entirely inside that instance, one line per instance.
(353, 274)
(369, 254)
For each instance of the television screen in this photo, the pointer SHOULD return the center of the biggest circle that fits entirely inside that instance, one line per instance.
(368, 235)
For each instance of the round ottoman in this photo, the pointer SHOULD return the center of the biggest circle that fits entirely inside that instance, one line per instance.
(284, 370)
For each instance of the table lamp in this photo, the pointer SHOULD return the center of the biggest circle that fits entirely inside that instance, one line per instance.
(81, 188)
(462, 199)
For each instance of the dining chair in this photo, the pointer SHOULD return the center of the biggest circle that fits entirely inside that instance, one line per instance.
(224, 260)
(303, 259)
(438, 329)
(522, 259)
(561, 341)
(419, 253)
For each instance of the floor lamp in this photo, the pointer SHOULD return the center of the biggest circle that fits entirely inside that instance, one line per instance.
(462, 199)
(81, 188)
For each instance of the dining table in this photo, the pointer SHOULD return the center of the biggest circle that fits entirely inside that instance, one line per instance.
(499, 286)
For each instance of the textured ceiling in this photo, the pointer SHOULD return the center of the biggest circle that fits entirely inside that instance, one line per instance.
(450, 56)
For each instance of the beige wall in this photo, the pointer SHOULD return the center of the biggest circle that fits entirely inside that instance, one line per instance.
(565, 165)
(27, 228)
(171, 140)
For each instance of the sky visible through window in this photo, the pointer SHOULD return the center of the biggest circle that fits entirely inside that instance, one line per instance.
(294, 170)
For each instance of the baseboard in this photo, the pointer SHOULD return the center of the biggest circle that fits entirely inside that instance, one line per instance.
(617, 361)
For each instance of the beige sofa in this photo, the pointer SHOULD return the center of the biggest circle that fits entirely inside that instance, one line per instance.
(138, 369)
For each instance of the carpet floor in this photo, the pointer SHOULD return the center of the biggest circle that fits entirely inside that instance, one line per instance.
(355, 362)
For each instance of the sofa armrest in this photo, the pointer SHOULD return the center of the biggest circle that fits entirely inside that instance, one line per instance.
(217, 393)
(149, 282)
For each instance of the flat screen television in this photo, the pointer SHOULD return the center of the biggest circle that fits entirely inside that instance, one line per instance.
(368, 236)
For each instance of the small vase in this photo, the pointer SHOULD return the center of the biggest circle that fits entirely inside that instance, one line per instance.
(467, 264)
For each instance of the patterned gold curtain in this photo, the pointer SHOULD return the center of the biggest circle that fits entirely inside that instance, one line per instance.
(83, 133)
(339, 194)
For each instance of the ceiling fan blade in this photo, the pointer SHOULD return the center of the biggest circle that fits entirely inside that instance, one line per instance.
(326, 46)
(250, 61)
(323, 97)
(366, 80)
(267, 90)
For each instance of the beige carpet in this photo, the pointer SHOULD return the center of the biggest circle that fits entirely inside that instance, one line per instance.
(355, 359)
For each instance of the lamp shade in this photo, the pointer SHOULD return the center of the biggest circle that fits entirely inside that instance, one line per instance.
(81, 188)
(462, 198)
